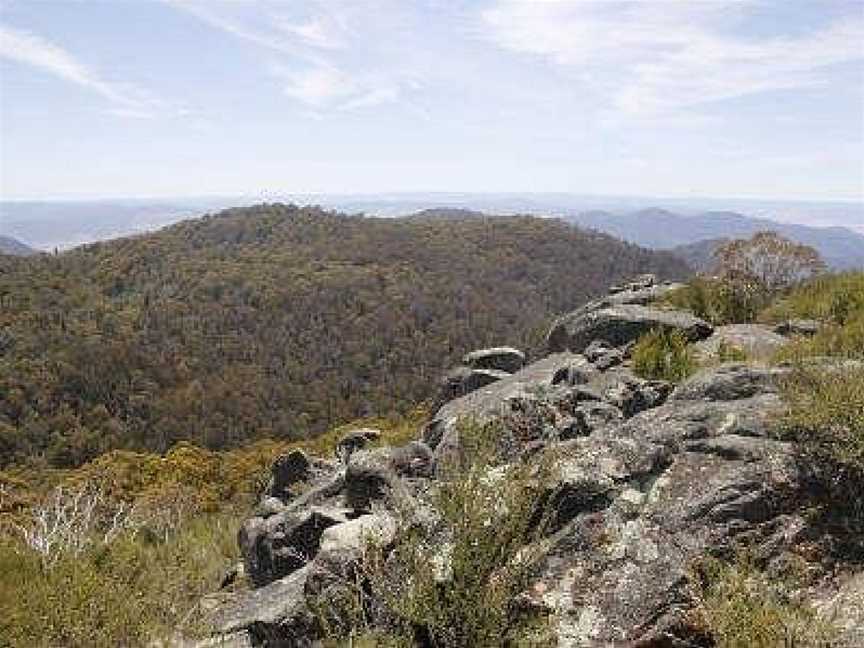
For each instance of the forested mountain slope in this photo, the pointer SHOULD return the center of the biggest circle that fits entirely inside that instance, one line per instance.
(272, 321)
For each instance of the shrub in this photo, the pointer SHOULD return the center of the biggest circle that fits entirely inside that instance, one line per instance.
(457, 586)
(716, 301)
(846, 341)
(749, 275)
(737, 606)
(124, 593)
(663, 355)
(766, 263)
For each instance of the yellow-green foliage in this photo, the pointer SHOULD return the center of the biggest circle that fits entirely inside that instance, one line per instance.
(837, 302)
(825, 414)
(213, 478)
(122, 594)
(146, 583)
(740, 607)
(727, 352)
(830, 298)
(717, 301)
(662, 355)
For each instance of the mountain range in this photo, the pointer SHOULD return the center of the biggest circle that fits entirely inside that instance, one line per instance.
(46, 225)
(841, 247)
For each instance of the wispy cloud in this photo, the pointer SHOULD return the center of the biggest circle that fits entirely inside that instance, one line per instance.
(323, 54)
(655, 57)
(127, 100)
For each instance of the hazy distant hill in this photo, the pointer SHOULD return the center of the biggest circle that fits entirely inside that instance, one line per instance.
(62, 224)
(660, 229)
(274, 320)
(9, 245)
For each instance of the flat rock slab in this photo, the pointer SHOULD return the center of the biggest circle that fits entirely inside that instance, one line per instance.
(498, 358)
(619, 325)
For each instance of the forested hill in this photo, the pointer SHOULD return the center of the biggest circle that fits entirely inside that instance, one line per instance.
(272, 320)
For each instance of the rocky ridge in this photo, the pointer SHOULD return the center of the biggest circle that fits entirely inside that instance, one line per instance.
(650, 477)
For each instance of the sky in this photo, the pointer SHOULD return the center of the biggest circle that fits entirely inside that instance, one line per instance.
(120, 98)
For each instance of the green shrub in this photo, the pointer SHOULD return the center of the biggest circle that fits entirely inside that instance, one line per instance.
(738, 606)
(718, 301)
(663, 355)
(825, 417)
(458, 589)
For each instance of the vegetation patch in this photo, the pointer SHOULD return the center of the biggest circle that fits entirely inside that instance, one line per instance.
(458, 585)
(739, 605)
(825, 414)
(129, 591)
(663, 355)
(747, 276)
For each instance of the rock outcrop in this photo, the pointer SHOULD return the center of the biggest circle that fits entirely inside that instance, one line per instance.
(648, 478)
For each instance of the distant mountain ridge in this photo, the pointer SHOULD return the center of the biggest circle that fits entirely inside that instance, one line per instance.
(9, 245)
(842, 248)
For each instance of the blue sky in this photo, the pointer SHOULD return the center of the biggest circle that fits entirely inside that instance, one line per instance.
(664, 98)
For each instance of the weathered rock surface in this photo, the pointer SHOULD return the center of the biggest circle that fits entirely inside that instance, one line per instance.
(618, 325)
(647, 480)
(294, 471)
(274, 615)
(652, 495)
(382, 474)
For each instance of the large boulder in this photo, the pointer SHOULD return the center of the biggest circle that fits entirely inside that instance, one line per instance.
(619, 325)
(801, 327)
(505, 359)
(498, 399)
(342, 548)
(294, 472)
(276, 546)
(729, 381)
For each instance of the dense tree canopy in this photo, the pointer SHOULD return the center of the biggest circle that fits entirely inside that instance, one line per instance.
(272, 321)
